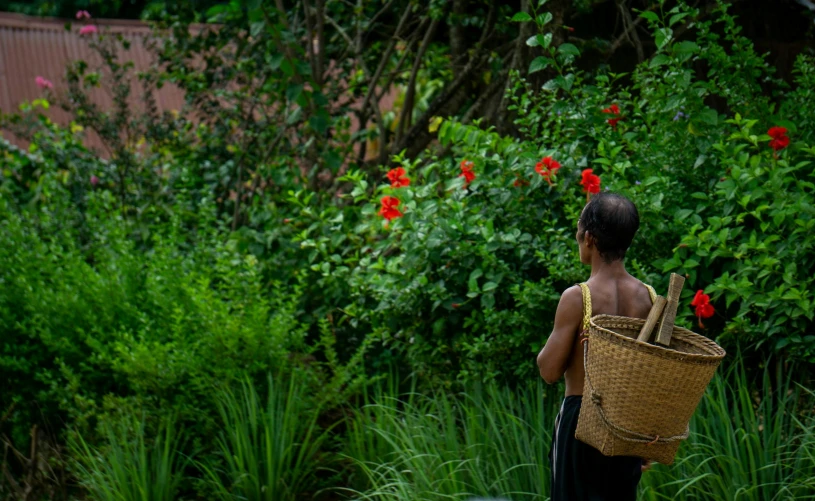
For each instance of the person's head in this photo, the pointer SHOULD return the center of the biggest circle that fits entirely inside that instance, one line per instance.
(607, 226)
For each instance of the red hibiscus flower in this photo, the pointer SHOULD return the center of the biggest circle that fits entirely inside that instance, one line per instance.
(704, 309)
(779, 140)
(547, 168)
(467, 171)
(590, 182)
(397, 177)
(613, 110)
(389, 208)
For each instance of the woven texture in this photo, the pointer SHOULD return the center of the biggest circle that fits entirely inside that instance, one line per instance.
(638, 398)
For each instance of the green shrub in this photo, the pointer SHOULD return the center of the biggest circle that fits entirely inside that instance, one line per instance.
(89, 323)
(750, 244)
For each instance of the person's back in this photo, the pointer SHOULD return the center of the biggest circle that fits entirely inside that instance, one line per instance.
(622, 295)
(605, 231)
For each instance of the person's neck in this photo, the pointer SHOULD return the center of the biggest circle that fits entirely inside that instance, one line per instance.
(601, 269)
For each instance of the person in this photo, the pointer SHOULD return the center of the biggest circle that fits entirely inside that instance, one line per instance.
(605, 230)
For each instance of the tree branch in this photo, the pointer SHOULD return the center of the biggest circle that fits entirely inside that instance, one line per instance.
(320, 41)
(407, 108)
(630, 29)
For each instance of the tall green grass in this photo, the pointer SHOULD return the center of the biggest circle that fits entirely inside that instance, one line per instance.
(129, 467)
(745, 444)
(269, 449)
(487, 442)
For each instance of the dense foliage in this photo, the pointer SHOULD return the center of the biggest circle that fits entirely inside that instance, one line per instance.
(201, 312)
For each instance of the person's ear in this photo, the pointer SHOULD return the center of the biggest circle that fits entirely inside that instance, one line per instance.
(588, 238)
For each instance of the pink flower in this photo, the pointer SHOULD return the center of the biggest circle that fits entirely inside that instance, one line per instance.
(43, 83)
(88, 30)
(83, 14)
(94, 180)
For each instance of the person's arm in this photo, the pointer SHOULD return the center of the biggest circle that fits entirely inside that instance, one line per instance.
(554, 357)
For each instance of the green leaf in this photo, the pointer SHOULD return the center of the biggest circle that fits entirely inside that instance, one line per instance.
(686, 46)
(708, 116)
(662, 37)
(540, 40)
(546, 40)
(489, 286)
(682, 214)
(287, 67)
(539, 63)
(274, 60)
(476, 274)
(650, 16)
(568, 49)
(294, 91)
(659, 60)
(544, 19)
(521, 17)
(215, 10)
(256, 29)
(677, 17)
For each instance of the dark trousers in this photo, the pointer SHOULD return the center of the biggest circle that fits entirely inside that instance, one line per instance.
(580, 472)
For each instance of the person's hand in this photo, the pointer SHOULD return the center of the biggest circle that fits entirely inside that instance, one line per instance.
(646, 465)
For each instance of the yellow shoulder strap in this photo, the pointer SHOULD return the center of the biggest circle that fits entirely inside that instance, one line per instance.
(651, 292)
(584, 288)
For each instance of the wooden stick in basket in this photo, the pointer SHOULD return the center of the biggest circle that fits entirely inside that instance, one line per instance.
(666, 327)
(653, 318)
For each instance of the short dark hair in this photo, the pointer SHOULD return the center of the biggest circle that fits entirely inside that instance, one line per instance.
(613, 220)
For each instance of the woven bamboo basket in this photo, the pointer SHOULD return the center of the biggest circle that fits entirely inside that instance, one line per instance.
(638, 398)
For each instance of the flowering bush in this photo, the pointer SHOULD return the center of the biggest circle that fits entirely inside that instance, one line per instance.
(749, 244)
(466, 282)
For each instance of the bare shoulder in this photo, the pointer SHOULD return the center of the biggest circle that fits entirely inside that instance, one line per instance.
(571, 296)
(640, 298)
(571, 301)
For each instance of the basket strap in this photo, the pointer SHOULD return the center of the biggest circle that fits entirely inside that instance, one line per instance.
(651, 292)
(584, 289)
(618, 431)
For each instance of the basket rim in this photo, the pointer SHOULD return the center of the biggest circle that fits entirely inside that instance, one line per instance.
(714, 355)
